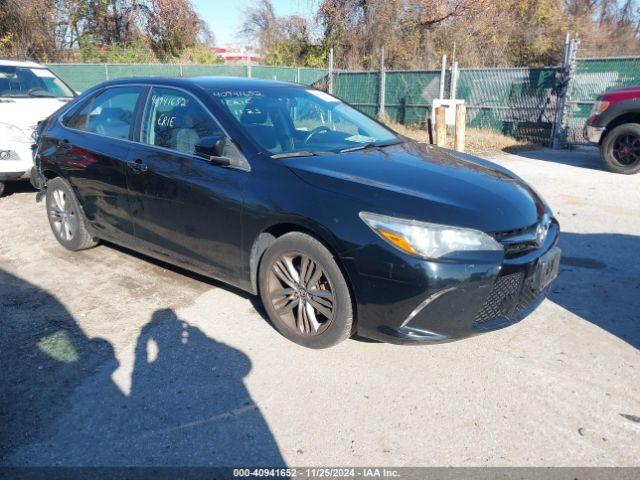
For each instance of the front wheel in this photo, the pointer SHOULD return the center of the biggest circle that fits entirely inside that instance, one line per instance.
(304, 292)
(620, 149)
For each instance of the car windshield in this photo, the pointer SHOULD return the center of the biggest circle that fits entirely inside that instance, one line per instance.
(290, 121)
(31, 82)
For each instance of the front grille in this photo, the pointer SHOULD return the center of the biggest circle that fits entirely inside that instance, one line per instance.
(527, 296)
(500, 301)
(517, 242)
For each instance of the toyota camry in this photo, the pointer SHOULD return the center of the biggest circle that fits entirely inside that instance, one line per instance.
(341, 226)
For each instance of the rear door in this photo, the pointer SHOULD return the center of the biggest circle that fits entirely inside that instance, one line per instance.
(183, 207)
(92, 150)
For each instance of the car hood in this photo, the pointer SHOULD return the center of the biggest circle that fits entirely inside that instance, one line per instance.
(428, 183)
(25, 113)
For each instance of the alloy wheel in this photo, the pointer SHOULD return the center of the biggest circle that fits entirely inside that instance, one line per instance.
(301, 293)
(626, 149)
(63, 216)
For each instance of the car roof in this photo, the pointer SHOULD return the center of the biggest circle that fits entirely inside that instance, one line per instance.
(209, 83)
(18, 63)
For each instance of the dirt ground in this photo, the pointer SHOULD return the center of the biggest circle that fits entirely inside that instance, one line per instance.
(109, 358)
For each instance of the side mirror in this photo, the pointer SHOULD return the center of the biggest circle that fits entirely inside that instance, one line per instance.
(212, 149)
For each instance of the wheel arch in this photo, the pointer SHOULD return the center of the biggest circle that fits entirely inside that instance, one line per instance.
(627, 117)
(50, 174)
(269, 235)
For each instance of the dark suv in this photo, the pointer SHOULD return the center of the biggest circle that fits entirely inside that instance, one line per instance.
(614, 125)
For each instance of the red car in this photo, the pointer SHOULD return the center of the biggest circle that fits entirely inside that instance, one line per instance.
(614, 125)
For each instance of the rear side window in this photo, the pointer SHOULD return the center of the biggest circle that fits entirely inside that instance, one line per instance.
(176, 120)
(109, 113)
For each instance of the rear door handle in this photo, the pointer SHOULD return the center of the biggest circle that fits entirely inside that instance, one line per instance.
(138, 166)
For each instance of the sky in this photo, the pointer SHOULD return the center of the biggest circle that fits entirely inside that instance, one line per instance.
(226, 16)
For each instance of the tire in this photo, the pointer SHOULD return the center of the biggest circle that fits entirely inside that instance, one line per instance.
(1, 188)
(316, 312)
(66, 218)
(620, 149)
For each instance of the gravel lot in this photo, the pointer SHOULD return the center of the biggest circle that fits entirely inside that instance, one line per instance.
(109, 358)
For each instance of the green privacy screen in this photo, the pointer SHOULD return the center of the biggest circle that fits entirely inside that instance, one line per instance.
(519, 102)
(595, 76)
(83, 76)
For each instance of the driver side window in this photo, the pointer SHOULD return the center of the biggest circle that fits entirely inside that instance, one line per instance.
(308, 115)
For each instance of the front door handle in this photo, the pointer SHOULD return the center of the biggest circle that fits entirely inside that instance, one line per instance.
(137, 165)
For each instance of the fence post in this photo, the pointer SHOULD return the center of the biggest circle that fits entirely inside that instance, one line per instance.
(298, 75)
(106, 71)
(247, 62)
(181, 73)
(382, 87)
(443, 74)
(330, 70)
(453, 84)
(441, 126)
(461, 118)
(567, 78)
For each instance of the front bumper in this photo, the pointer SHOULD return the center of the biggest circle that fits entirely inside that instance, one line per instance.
(405, 300)
(593, 134)
(16, 160)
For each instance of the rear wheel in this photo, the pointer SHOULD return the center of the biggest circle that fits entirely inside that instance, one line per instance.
(65, 216)
(304, 292)
(621, 149)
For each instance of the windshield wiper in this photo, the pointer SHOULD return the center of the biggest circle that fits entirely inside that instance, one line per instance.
(371, 145)
(42, 94)
(358, 147)
(295, 154)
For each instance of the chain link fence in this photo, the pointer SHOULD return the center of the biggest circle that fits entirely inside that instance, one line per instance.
(593, 77)
(83, 76)
(530, 104)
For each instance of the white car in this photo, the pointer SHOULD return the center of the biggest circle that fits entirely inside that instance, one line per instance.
(29, 92)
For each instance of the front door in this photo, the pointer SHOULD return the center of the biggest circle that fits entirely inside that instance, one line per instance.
(183, 207)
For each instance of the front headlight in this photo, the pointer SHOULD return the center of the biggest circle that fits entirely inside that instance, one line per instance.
(11, 133)
(599, 107)
(428, 240)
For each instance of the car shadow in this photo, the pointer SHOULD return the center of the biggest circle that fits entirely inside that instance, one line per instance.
(581, 157)
(188, 405)
(599, 281)
(18, 186)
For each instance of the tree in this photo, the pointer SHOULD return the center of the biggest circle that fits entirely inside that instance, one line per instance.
(283, 40)
(173, 26)
(27, 29)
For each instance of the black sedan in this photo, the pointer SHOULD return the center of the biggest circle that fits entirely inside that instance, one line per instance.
(341, 225)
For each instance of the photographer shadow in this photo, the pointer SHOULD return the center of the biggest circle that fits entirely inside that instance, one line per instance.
(188, 405)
